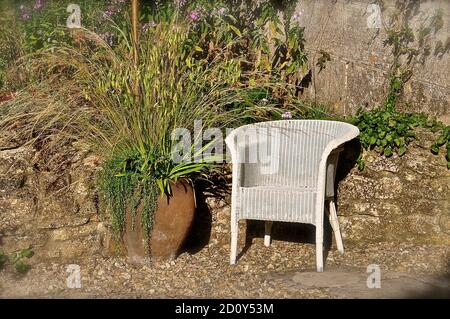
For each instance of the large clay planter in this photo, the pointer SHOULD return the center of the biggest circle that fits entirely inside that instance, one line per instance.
(173, 220)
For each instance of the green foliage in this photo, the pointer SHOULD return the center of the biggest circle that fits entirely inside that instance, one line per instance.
(20, 254)
(259, 48)
(387, 131)
(22, 267)
(130, 109)
(443, 140)
(131, 182)
(30, 26)
(16, 259)
(126, 184)
(171, 95)
(9, 48)
(45, 26)
(395, 89)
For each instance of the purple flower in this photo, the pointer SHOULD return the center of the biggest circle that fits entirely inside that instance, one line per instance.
(194, 15)
(296, 17)
(25, 16)
(114, 8)
(24, 13)
(286, 115)
(109, 12)
(221, 10)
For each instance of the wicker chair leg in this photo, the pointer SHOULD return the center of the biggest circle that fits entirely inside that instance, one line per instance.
(319, 249)
(267, 239)
(335, 225)
(234, 241)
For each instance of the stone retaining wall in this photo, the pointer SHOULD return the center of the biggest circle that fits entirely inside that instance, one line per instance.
(393, 200)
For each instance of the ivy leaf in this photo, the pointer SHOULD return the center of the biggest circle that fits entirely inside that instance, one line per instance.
(361, 164)
(388, 151)
(435, 149)
(27, 253)
(441, 140)
(392, 123)
(22, 268)
(401, 151)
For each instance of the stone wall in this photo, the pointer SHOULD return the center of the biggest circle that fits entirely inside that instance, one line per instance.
(357, 74)
(53, 210)
(56, 210)
(403, 199)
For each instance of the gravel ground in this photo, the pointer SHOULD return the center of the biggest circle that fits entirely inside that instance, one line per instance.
(261, 272)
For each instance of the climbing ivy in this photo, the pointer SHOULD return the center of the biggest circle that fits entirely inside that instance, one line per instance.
(389, 131)
(386, 129)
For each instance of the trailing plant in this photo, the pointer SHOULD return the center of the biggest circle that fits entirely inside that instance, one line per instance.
(126, 184)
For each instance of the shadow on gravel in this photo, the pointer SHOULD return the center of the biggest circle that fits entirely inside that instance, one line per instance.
(200, 233)
(440, 291)
(201, 227)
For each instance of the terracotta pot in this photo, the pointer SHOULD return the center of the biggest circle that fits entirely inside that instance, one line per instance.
(173, 220)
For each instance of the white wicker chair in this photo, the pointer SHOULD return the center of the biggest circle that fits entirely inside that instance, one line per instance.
(284, 171)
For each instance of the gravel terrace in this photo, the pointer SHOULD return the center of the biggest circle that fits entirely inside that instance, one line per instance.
(285, 270)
